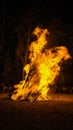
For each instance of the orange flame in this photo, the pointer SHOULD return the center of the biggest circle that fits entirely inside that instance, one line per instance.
(42, 70)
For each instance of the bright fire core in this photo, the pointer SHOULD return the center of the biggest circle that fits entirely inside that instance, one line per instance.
(42, 70)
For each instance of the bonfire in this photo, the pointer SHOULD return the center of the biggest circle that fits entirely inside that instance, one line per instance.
(42, 70)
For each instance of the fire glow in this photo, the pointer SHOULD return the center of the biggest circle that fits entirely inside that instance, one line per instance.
(42, 70)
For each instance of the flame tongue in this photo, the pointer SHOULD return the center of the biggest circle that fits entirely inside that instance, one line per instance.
(42, 70)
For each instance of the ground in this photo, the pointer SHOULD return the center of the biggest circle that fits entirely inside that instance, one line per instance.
(55, 114)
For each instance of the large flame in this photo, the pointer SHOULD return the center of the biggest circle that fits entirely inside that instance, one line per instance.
(42, 70)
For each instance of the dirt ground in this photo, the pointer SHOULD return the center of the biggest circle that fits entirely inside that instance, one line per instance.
(55, 114)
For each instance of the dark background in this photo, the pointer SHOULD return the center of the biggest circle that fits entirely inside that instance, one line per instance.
(47, 9)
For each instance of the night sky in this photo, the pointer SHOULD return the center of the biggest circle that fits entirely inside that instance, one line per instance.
(47, 9)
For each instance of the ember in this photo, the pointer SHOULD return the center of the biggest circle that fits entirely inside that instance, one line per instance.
(42, 70)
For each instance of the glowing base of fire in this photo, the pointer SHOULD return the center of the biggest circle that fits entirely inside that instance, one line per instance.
(23, 93)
